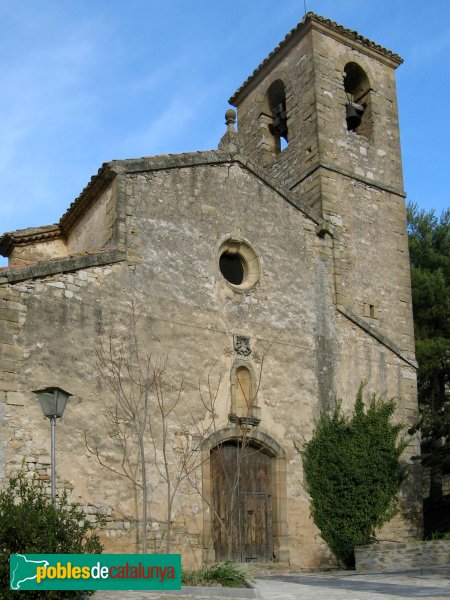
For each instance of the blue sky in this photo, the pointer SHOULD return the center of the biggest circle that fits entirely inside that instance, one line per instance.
(83, 82)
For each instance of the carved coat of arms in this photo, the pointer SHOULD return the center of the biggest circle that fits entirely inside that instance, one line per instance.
(242, 345)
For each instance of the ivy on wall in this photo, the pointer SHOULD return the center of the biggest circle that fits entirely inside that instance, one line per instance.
(352, 472)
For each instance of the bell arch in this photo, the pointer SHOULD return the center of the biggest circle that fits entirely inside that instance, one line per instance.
(273, 117)
(261, 511)
(275, 104)
(358, 107)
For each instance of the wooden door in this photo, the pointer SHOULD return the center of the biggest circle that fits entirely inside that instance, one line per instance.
(241, 503)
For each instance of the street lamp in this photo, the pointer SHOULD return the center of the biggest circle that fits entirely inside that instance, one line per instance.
(53, 401)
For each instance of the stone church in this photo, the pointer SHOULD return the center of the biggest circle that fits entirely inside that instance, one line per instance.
(240, 289)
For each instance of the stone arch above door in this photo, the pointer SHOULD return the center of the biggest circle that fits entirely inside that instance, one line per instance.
(226, 437)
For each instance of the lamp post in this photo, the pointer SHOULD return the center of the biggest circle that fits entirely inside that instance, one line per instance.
(53, 401)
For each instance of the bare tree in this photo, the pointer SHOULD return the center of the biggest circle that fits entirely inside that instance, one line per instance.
(144, 424)
(130, 378)
(176, 451)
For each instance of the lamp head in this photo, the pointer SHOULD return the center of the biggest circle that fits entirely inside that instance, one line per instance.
(53, 401)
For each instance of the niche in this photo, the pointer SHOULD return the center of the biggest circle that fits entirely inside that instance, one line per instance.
(243, 409)
(243, 400)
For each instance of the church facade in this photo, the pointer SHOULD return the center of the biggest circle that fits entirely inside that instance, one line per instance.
(226, 298)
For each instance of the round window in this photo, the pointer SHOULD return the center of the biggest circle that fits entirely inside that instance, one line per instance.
(239, 263)
(232, 268)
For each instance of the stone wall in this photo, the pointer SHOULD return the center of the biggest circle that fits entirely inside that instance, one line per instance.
(406, 555)
(303, 351)
(31, 253)
(96, 227)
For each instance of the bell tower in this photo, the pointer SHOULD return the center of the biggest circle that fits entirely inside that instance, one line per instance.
(320, 115)
(323, 100)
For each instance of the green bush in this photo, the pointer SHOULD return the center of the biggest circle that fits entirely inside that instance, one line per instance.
(225, 574)
(352, 473)
(30, 525)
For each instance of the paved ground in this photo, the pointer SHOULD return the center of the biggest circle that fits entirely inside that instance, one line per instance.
(403, 585)
(345, 586)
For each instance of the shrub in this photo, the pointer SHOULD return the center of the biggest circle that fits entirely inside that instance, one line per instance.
(225, 574)
(352, 473)
(29, 524)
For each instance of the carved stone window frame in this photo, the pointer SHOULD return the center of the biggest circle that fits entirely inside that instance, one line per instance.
(249, 258)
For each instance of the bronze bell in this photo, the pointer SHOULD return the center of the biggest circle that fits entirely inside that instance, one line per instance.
(353, 114)
(279, 125)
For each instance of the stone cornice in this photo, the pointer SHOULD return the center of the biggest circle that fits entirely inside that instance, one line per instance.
(346, 173)
(44, 268)
(326, 26)
(375, 333)
(22, 237)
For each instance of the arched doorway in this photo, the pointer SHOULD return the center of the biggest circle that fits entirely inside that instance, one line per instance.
(245, 502)
(242, 502)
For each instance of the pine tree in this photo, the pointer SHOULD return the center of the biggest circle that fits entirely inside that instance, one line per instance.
(429, 248)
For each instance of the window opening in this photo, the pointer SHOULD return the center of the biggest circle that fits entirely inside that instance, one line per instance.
(370, 310)
(238, 264)
(232, 268)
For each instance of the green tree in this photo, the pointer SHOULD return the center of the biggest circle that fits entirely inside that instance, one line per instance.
(352, 473)
(429, 249)
(29, 524)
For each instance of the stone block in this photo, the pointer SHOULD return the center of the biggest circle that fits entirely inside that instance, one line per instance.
(10, 352)
(56, 284)
(10, 315)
